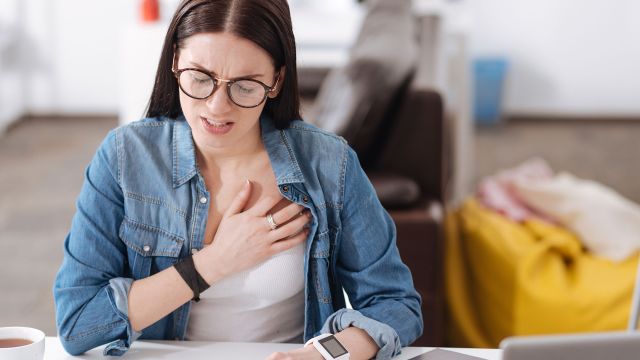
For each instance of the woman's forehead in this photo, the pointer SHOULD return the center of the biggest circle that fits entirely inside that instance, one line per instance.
(225, 54)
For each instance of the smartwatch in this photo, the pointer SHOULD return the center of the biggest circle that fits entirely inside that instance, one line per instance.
(329, 347)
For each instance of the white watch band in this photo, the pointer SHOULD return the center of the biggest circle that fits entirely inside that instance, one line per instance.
(316, 341)
(321, 336)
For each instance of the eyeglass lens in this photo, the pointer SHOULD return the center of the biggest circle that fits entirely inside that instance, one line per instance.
(197, 84)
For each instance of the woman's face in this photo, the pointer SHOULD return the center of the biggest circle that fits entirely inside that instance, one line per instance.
(216, 122)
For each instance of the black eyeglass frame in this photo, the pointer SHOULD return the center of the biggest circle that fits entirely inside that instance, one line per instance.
(216, 80)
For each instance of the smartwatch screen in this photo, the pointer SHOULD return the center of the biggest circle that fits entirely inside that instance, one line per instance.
(333, 346)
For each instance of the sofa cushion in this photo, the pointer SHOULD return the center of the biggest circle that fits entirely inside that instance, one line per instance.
(395, 191)
(352, 100)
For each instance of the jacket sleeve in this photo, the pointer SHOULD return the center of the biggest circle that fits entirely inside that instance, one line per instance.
(90, 290)
(379, 286)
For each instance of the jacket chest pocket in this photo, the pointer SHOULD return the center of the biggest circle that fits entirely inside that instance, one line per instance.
(149, 248)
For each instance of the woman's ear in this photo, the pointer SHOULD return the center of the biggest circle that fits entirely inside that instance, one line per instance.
(278, 84)
(174, 63)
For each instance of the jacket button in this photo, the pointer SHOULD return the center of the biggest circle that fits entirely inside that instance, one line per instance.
(305, 199)
(285, 188)
(203, 200)
(146, 248)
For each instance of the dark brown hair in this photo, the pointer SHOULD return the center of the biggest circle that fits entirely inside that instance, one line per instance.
(267, 23)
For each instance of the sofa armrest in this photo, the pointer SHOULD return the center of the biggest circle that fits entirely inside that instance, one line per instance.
(420, 242)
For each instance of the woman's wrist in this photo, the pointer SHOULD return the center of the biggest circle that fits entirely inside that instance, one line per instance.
(203, 261)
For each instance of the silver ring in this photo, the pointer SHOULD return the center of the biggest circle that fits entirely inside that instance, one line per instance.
(272, 223)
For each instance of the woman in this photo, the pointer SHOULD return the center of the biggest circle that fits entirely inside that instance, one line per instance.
(223, 187)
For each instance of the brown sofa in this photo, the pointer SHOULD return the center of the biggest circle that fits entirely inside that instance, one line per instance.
(383, 103)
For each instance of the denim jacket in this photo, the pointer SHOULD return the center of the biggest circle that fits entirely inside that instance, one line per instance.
(144, 205)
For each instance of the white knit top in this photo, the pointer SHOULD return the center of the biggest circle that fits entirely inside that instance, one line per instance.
(261, 304)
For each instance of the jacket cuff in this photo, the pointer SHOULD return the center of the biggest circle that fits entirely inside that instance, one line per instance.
(384, 335)
(119, 296)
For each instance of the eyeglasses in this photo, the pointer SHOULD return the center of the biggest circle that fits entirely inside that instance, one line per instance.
(246, 93)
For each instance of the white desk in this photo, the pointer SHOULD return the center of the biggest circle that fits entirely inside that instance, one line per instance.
(208, 350)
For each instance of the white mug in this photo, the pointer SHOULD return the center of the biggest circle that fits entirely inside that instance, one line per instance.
(30, 351)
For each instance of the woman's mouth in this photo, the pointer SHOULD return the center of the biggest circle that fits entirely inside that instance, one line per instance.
(216, 127)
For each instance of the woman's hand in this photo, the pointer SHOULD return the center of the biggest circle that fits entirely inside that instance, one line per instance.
(244, 237)
(305, 353)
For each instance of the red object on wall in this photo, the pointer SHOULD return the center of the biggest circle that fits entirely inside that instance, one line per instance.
(150, 10)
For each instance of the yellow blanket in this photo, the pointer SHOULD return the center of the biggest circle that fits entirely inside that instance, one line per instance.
(504, 278)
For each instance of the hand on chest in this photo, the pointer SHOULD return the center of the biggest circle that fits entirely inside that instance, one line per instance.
(225, 190)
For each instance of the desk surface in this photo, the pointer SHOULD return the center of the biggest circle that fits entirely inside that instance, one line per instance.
(209, 350)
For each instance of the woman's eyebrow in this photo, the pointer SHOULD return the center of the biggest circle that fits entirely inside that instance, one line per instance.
(250, 76)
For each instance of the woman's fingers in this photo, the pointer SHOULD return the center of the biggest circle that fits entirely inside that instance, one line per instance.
(291, 228)
(240, 201)
(287, 213)
(288, 243)
(264, 205)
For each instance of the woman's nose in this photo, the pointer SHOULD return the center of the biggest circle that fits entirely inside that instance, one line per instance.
(219, 101)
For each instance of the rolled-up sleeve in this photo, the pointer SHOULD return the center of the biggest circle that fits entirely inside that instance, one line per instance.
(90, 289)
(379, 285)
(384, 335)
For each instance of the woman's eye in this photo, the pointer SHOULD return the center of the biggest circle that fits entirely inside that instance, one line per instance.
(246, 90)
(246, 87)
(198, 78)
(201, 79)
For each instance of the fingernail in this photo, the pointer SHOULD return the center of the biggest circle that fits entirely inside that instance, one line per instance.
(247, 182)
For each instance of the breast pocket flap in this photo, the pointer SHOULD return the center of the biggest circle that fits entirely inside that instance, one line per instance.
(149, 240)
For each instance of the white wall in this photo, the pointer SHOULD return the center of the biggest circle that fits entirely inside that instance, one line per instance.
(72, 48)
(568, 57)
(11, 83)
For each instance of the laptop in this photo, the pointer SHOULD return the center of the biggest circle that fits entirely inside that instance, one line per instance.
(585, 346)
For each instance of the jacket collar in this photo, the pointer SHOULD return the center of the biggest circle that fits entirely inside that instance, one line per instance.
(283, 160)
(184, 152)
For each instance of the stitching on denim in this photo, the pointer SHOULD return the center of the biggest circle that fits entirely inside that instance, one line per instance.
(152, 228)
(323, 253)
(194, 217)
(176, 162)
(333, 243)
(319, 291)
(343, 175)
(175, 155)
(328, 205)
(321, 205)
(186, 177)
(95, 330)
(147, 124)
(318, 131)
(155, 201)
(119, 155)
(144, 254)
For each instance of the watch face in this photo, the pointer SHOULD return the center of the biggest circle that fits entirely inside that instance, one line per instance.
(333, 346)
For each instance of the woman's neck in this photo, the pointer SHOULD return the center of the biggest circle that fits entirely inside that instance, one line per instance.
(230, 158)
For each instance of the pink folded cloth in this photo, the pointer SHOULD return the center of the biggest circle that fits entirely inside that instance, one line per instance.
(497, 192)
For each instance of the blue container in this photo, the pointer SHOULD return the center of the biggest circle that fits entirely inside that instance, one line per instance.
(488, 76)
